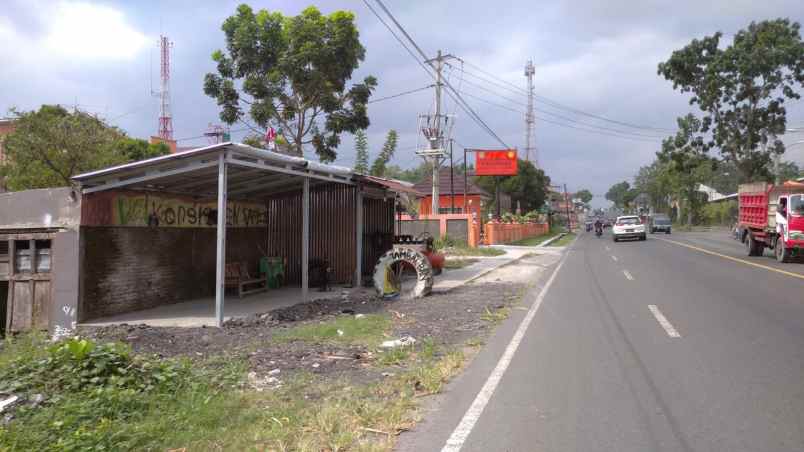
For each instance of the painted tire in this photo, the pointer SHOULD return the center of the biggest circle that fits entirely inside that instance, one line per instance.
(383, 272)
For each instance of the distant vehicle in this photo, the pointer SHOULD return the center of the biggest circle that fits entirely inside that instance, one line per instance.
(628, 227)
(772, 216)
(589, 225)
(660, 223)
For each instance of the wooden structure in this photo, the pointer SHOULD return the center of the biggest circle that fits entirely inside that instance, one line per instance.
(238, 277)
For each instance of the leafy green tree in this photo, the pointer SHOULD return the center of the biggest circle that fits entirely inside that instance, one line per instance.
(528, 188)
(415, 174)
(655, 182)
(689, 163)
(387, 152)
(742, 88)
(584, 195)
(291, 73)
(51, 145)
(619, 194)
(361, 151)
(135, 149)
(788, 171)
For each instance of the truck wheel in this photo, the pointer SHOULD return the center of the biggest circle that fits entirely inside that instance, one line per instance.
(782, 253)
(751, 245)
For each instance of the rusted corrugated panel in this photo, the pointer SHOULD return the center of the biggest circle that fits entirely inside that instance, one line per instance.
(378, 230)
(332, 230)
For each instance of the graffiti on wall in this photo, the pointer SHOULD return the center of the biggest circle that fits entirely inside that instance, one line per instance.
(150, 210)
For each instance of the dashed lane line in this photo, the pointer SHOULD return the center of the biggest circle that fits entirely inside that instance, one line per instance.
(668, 327)
(628, 275)
(614, 258)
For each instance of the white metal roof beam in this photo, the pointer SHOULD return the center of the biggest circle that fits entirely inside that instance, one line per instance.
(150, 175)
(262, 164)
(259, 187)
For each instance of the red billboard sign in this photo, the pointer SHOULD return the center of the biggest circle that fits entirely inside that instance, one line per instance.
(496, 163)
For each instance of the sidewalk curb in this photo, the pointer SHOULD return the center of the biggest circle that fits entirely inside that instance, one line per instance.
(482, 274)
(551, 240)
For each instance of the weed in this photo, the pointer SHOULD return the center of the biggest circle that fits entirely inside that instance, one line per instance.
(475, 342)
(564, 241)
(394, 356)
(367, 330)
(479, 251)
(452, 264)
(495, 316)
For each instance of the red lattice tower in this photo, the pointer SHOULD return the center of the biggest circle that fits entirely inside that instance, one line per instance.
(165, 117)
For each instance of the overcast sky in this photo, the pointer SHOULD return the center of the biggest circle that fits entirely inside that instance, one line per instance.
(597, 57)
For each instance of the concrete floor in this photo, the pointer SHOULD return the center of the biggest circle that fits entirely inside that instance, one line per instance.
(199, 312)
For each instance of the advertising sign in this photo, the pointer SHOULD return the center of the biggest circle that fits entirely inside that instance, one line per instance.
(496, 163)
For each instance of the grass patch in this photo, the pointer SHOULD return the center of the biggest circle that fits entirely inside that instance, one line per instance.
(206, 407)
(473, 252)
(564, 241)
(534, 241)
(475, 342)
(496, 315)
(345, 329)
(453, 264)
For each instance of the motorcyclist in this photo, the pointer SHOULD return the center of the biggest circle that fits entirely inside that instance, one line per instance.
(598, 226)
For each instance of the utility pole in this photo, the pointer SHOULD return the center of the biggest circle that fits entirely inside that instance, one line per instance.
(433, 128)
(451, 179)
(530, 118)
(567, 201)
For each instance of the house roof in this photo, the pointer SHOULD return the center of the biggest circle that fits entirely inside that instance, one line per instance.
(426, 184)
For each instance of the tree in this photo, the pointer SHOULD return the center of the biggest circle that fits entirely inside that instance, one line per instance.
(655, 182)
(362, 155)
(788, 171)
(292, 74)
(686, 154)
(742, 88)
(51, 145)
(387, 152)
(584, 195)
(415, 174)
(619, 194)
(134, 149)
(528, 188)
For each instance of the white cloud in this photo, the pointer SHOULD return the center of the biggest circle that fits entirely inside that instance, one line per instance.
(84, 30)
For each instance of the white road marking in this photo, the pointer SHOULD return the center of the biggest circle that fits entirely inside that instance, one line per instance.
(607, 248)
(614, 258)
(668, 327)
(464, 428)
(628, 275)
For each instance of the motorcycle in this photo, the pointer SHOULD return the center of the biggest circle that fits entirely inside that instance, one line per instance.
(598, 232)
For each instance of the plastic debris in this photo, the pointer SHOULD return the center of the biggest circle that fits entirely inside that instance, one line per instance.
(5, 403)
(405, 340)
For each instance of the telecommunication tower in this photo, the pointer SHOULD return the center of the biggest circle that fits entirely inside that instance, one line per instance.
(530, 118)
(165, 117)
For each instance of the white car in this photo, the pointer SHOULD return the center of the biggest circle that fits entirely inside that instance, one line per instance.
(628, 227)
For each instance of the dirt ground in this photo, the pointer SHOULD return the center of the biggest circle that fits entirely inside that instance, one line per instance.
(449, 320)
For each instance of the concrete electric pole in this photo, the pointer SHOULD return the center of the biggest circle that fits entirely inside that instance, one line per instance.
(433, 127)
(530, 118)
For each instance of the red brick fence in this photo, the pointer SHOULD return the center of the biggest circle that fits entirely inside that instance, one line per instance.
(501, 233)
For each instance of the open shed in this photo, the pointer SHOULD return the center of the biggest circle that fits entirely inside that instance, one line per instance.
(151, 233)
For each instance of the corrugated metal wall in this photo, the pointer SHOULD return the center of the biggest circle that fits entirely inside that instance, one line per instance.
(378, 230)
(332, 230)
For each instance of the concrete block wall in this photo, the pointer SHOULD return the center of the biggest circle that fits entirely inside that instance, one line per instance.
(126, 269)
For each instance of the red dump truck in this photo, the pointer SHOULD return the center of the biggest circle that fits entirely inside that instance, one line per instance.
(772, 216)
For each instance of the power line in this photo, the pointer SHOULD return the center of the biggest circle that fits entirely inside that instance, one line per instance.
(401, 94)
(451, 91)
(612, 133)
(559, 105)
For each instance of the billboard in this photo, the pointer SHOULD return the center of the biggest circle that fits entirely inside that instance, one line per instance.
(496, 163)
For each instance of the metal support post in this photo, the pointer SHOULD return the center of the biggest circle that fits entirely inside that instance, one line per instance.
(359, 239)
(305, 257)
(220, 259)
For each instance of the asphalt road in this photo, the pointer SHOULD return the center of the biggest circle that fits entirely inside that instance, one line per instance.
(599, 368)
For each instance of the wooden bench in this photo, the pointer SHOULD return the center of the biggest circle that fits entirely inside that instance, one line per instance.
(237, 277)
